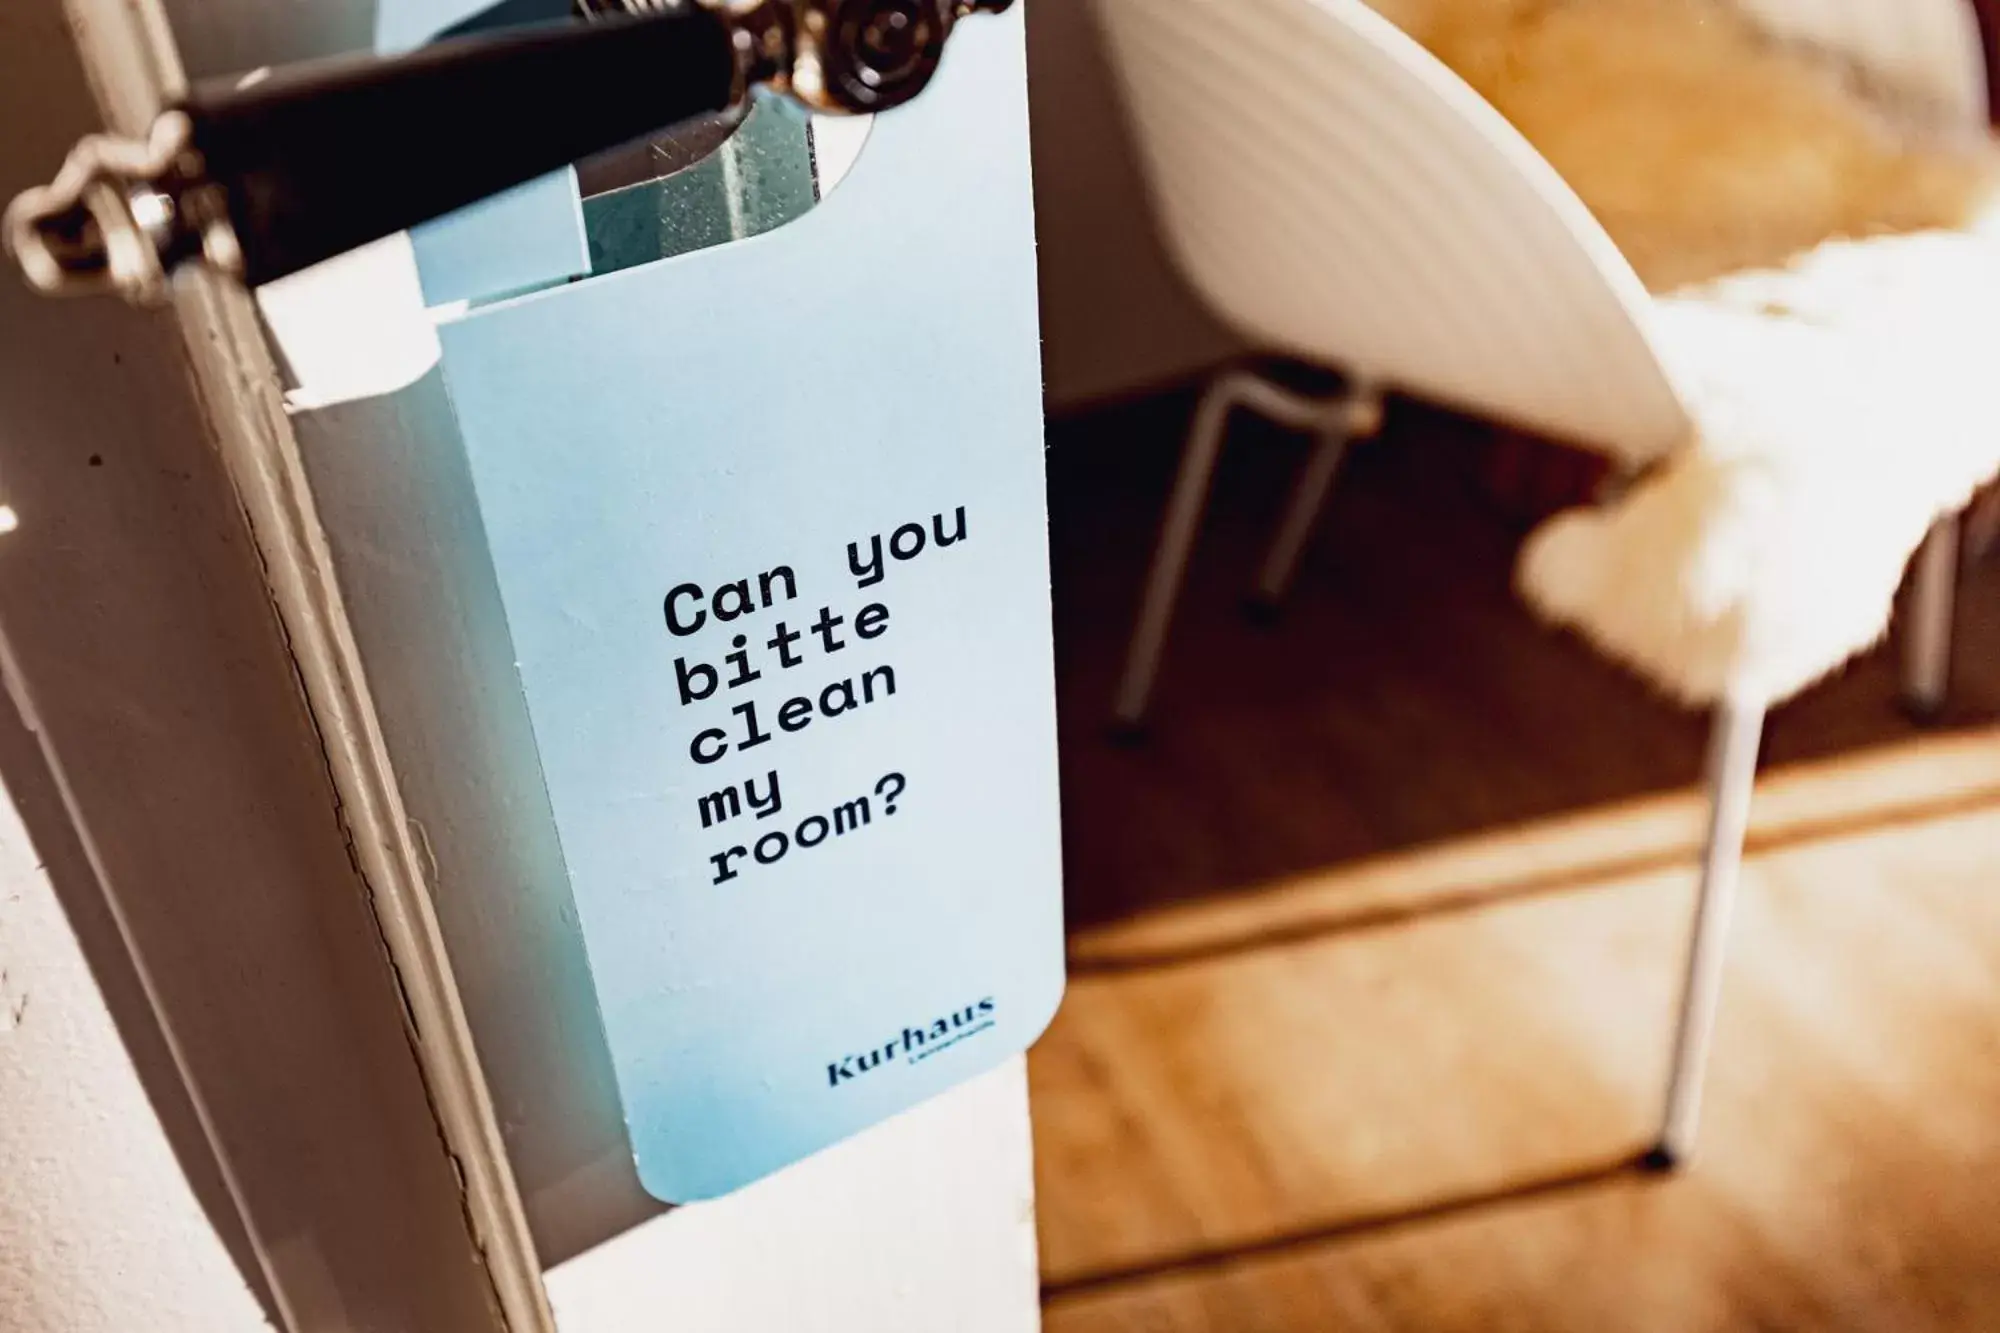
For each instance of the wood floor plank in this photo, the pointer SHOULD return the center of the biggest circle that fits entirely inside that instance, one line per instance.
(1850, 1154)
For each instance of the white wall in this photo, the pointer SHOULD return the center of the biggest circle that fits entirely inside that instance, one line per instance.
(925, 1224)
(99, 1231)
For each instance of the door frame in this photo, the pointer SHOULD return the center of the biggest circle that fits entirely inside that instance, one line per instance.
(200, 762)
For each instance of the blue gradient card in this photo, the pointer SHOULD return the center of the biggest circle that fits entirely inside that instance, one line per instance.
(770, 528)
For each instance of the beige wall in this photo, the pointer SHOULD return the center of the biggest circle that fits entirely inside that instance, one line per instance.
(99, 1231)
(1114, 316)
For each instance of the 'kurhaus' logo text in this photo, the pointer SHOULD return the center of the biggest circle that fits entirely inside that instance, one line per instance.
(917, 1044)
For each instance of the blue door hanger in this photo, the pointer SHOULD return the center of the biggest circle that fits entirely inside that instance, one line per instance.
(770, 530)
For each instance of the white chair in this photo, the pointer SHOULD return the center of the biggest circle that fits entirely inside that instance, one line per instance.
(1338, 195)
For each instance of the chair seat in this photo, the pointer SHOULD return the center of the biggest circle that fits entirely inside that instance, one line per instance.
(1841, 405)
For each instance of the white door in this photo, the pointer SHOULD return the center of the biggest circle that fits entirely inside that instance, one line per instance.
(278, 818)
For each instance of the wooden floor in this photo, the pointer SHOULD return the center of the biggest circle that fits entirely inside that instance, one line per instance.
(1376, 943)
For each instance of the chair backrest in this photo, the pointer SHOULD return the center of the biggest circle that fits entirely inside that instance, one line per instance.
(1336, 192)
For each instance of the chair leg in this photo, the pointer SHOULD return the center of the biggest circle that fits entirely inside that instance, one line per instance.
(1734, 738)
(1357, 417)
(1981, 524)
(1927, 631)
(1170, 555)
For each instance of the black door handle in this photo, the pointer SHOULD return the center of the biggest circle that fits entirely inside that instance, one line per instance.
(286, 168)
(316, 161)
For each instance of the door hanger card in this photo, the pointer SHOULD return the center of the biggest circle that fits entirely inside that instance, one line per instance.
(769, 525)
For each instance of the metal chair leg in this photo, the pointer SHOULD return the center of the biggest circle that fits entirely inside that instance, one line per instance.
(1170, 555)
(1980, 524)
(1356, 418)
(1734, 738)
(1927, 629)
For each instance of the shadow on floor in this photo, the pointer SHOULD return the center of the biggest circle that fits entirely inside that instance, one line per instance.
(1217, 1258)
